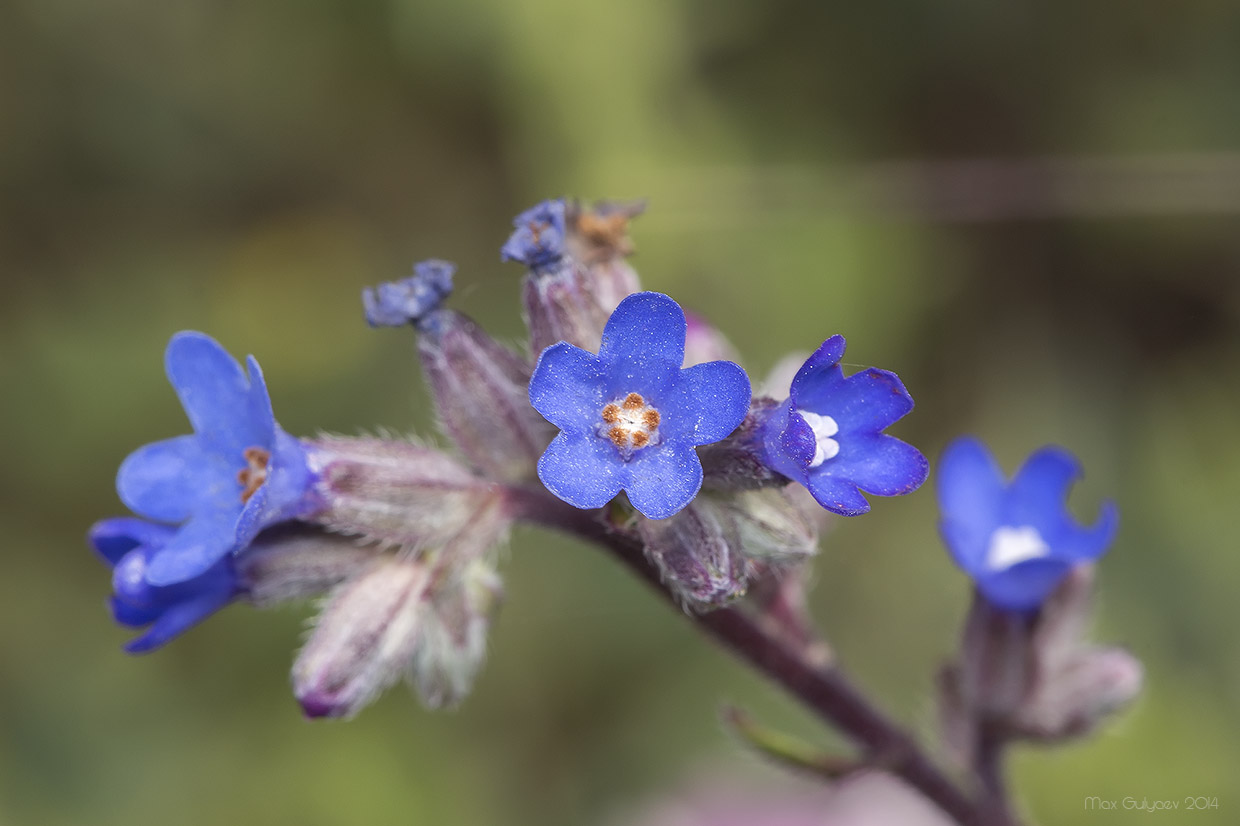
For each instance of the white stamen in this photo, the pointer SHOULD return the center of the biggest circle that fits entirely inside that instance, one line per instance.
(824, 428)
(1010, 546)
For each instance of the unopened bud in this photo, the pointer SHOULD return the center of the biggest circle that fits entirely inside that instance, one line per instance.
(364, 639)
(698, 554)
(479, 386)
(598, 240)
(1080, 693)
(454, 636)
(402, 495)
(774, 525)
(296, 561)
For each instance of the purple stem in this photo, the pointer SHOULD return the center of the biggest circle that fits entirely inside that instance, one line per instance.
(824, 690)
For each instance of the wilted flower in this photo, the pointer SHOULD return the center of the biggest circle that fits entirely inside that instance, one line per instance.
(828, 434)
(236, 474)
(630, 417)
(1016, 540)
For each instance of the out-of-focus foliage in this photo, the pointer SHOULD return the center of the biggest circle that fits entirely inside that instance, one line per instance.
(245, 168)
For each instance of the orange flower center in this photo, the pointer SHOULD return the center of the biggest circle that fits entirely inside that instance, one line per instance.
(630, 424)
(252, 476)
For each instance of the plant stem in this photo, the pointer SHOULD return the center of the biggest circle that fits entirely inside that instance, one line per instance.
(826, 691)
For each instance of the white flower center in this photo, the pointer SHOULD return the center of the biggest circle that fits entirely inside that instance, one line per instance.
(630, 424)
(824, 428)
(1010, 546)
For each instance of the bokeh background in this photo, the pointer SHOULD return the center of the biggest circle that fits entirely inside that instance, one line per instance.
(1029, 210)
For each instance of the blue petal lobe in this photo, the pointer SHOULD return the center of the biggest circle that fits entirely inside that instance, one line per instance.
(169, 480)
(1078, 544)
(663, 479)
(198, 545)
(819, 372)
(707, 403)
(176, 620)
(1024, 586)
(134, 616)
(213, 390)
(261, 422)
(582, 469)
(567, 387)
(645, 333)
(970, 489)
(113, 538)
(1039, 491)
(797, 441)
(837, 495)
(865, 402)
(877, 463)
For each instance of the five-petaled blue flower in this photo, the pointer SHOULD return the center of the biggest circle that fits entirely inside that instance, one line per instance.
(1017, 540)
(827, 435)
(128, 545)
(237, 473)
(538, 241)
(630, 417)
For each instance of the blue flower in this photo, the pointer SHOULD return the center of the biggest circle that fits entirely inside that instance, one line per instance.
(395, 304)
(538, 241)
(828, 434)
(237, 473)
(1017, 540)
(128, 545)
(630, 417)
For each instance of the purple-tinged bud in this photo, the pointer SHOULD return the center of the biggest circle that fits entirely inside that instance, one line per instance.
(395, 304)
(296, 561)
(598, 240)
(479, 386)
(704, 342)
(454, 636)
(538, 240)
(364, 639)
(1022, 675)
(402, 495)
(698, 554)
(774, 525)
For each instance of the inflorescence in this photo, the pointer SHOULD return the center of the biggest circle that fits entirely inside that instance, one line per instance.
(622, 406)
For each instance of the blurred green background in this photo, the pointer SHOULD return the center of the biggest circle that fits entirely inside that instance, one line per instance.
(1028, 210)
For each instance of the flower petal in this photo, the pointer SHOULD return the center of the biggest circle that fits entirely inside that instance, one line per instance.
(134, 616)
(113, 538)
(582, 469)
(198, 545)
(865, 402)
(645, 334)
(176, 620)
(819, 372)
(1024, 586)
(170, 480)
(214, 392)
(663, 479)
(707, 403)
(1078, 544)
(970, 489)
(877, 463)
(837, 495)
(259, 416)
(567, 387)
(1038, 493)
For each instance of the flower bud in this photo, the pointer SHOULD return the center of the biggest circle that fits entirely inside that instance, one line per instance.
(403, 495)
(364, 639)
(296, 561)
(774, 524)
(1031, 675)
(597, 239)
(480, 387)
(454, 636)
(698, 554)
